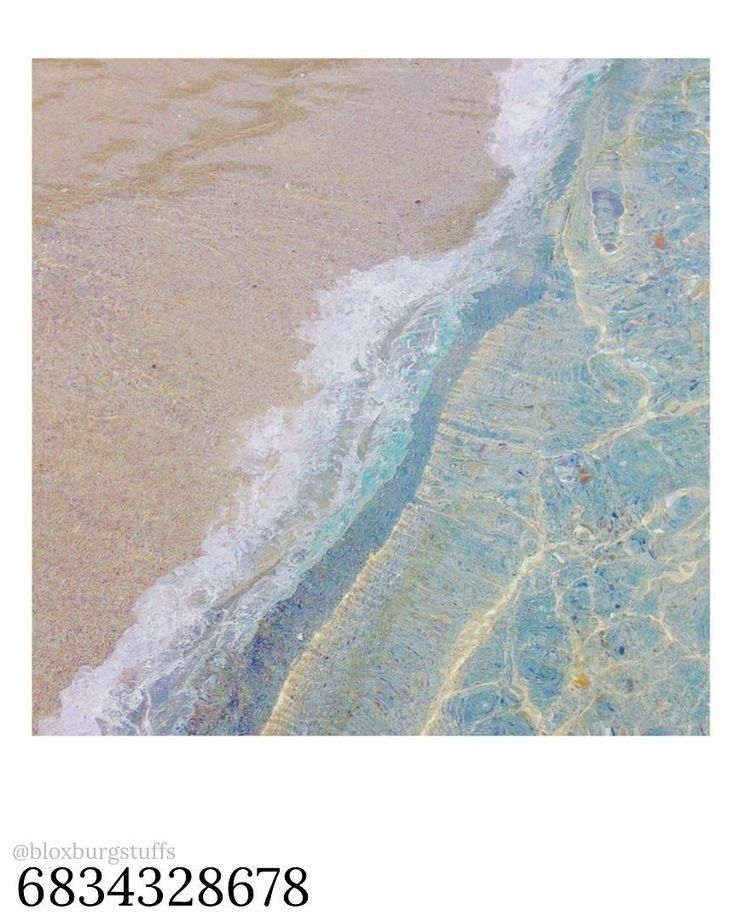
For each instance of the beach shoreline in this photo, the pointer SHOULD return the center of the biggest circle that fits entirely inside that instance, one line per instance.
(182, 235)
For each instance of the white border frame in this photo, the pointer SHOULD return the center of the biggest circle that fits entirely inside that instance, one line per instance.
(420, 828)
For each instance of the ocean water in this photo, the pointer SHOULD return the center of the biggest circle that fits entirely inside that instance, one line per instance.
(492, 517)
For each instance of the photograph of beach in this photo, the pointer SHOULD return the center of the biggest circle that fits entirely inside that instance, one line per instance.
(370, 397)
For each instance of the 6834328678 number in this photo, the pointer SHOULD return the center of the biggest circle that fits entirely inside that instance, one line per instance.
(149, 887)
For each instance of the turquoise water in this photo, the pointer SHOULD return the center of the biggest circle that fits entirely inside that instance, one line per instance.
(493, 517)
(549, 573)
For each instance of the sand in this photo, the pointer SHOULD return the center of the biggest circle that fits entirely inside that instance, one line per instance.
(186, 214)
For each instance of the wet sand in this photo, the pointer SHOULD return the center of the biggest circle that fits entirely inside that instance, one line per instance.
(186, 213)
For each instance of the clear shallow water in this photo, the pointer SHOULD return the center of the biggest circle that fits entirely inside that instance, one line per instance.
(492, 519)
(550, 573)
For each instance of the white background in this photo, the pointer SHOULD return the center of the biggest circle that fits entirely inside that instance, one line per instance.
(387, 828)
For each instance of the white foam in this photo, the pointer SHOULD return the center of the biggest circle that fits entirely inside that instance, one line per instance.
(376, 340)
(531, 98)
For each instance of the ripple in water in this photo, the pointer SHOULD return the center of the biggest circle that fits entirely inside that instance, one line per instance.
(550, 573)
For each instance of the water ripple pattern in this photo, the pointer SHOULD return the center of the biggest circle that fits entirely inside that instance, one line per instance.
(550, 573)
